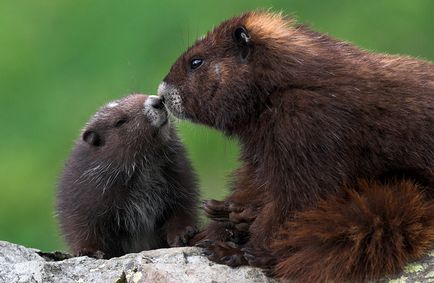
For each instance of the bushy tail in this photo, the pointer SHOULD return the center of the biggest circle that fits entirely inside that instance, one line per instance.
(373, 230)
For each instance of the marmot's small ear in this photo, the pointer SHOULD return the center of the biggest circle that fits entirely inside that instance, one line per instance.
(92, 138)
(241, 36)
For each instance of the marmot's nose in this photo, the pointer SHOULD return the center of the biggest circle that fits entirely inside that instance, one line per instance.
(155, 101)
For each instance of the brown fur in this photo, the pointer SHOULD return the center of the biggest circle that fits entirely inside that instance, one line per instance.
(365, 234)
(313, 114)
(128, 184)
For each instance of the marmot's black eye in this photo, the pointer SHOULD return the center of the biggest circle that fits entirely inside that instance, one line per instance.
(196, 63)
(120, 122)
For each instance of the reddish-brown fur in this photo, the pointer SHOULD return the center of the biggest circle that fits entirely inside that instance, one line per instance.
(364, 234)
(313, 115)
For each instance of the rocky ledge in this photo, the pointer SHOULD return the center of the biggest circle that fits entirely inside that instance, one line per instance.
(21, 264)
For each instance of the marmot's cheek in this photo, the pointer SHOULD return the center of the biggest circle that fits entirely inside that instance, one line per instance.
(172, 99)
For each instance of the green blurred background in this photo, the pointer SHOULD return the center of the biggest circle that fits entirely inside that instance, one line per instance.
(61, 60)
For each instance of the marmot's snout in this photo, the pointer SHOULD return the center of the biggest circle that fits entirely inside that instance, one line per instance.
(172, 99)
(155, 111)
(155, 102)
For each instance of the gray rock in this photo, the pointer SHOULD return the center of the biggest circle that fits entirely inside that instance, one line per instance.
(21, 264)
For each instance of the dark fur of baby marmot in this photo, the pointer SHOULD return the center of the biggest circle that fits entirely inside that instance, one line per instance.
(337, 149)
(128, 185)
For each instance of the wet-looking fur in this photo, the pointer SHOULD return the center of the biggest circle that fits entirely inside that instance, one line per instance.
(128, 185)
(337, 148)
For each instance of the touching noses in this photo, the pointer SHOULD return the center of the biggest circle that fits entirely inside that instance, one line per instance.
(156, 102)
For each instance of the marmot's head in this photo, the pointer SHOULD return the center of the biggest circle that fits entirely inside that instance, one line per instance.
(126, 130)
(223, 79)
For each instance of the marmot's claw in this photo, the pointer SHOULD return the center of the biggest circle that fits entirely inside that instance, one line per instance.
(182, 239)
(224, 253)
(216, 210)
(233, 260)
(259, 259)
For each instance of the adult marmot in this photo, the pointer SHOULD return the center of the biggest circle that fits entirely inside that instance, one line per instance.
(337, 148)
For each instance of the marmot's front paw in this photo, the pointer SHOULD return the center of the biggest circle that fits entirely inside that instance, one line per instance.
(240, 215)
(181, 238)
(216, 210)
(223, 252)
(260, 257)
